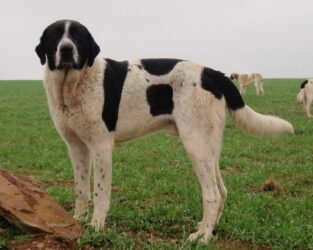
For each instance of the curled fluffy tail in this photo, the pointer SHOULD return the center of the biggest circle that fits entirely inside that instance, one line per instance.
(254, 123)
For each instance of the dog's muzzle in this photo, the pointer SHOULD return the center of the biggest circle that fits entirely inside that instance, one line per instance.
(67, 53)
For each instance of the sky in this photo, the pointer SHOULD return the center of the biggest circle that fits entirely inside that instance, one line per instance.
(272, 37)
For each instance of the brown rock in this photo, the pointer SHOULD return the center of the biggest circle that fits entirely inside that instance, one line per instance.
(30, 208)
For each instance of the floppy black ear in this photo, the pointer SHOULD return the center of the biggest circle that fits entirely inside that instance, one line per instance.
(41, 53)
(94, 50)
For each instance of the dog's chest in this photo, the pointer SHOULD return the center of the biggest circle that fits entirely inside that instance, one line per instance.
(76, 105)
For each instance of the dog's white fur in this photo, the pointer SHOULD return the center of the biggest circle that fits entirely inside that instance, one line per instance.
(306, 96)
(245, 80)
(76, 99)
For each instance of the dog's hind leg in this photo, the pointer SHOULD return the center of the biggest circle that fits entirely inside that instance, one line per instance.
(257, 87)
(261, 88)
(200, 119)
(204, 166)
(307, 104)
(223, 191)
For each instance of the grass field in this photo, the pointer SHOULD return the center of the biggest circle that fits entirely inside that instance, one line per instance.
(156, 201)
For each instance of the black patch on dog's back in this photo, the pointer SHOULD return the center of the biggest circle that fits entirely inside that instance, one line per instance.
(159, 66)
(114, 78)
(160, 99)
(303, 84)
(220, 85)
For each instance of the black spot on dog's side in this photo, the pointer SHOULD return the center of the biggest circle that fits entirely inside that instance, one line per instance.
(114, 78)
(220, 85)
(159, 66)
(303, 84)
(160, 99)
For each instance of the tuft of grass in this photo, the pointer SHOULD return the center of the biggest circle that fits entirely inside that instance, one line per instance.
(156, 199)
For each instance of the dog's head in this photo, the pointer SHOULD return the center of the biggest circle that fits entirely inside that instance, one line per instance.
(67, 44)
(234, 76)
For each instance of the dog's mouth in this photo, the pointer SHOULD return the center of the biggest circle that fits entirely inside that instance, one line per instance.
(66, 64)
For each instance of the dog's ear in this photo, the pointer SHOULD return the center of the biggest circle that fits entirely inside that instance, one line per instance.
(94, 50)
(41, 53)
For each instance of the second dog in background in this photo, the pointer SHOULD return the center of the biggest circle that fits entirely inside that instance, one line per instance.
(306, 95)
(245, 80)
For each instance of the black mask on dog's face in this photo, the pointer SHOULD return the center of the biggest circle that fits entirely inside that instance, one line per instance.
(67, 44)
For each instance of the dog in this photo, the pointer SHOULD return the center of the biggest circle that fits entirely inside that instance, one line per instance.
(245, 80)
(306, 95)
(96, 102)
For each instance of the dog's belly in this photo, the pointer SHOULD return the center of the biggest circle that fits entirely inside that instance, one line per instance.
(136, 124)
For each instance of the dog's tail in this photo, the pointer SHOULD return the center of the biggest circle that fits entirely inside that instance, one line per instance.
(243, 116)
(255, 123)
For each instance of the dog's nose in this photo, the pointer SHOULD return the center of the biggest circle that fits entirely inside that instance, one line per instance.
(67, 50)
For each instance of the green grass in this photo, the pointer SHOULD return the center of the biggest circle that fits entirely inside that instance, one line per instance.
(156, 201)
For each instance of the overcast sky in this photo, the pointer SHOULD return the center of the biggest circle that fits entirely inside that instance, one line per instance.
(273, 37)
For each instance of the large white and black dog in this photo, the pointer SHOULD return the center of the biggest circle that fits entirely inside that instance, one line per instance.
(95, 102)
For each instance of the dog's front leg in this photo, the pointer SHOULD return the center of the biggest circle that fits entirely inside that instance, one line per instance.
(102, 157)
(80, 158)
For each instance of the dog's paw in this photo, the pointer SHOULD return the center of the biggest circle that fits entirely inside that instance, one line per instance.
(196, 235)
(97, 224)
(80, 214)
(204, 232)
(81, 211)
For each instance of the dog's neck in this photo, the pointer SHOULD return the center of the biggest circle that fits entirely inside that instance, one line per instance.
(60, 81)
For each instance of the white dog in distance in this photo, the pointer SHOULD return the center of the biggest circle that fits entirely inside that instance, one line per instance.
(306, 95)
(245, 80)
